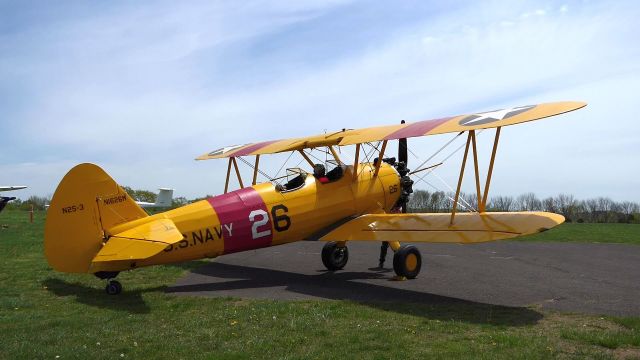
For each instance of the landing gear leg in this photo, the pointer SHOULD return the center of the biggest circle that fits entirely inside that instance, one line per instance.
(113, 286)
(383, 254)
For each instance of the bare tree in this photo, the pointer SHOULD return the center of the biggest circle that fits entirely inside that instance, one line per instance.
(566, 205)
(502, 203)
(419, 200)
(528, 202)
(472, 199)
(601, 209)
(549, 205)
(591, 206)
(605, 208)
(439, 202)
(627, 208)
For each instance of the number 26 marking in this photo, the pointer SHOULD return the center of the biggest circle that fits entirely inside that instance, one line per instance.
(264, 220)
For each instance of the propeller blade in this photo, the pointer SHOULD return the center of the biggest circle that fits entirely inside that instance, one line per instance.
(403, 156)
(402, 149)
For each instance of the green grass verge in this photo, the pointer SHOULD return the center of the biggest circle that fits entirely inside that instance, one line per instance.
(48, 315)
(593, 233)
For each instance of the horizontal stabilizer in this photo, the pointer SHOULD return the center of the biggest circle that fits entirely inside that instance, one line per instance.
(466, 227)
(139, 243)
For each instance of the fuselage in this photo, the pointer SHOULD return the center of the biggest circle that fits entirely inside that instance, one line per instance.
(261, 215)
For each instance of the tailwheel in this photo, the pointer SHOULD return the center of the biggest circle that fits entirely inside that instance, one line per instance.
(113, 287)
(334, 257)
(407, 261)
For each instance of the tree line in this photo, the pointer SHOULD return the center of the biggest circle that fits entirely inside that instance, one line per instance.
(594, 210)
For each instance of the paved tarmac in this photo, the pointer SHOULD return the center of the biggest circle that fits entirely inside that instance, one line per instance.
(580, 278)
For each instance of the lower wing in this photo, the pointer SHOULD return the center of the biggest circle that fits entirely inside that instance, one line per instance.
(437, 228)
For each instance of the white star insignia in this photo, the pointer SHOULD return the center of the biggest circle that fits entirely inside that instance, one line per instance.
(491, 116)
(225, 150)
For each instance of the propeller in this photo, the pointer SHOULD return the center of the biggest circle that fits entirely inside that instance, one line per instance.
(406, 187)
(403, 155)
(406, 183)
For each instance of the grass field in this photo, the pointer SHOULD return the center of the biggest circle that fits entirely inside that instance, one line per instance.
(48, 315)
(593, 233)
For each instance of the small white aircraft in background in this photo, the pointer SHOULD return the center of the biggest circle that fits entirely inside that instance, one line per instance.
(164, 199)
(5, 199)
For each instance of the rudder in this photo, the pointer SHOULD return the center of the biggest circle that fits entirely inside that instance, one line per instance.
(85, 205)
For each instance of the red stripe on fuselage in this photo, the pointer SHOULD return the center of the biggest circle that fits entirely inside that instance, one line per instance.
(416, 129)
(244, 220)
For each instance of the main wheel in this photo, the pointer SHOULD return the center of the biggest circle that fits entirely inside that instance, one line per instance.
(407, 261)
(113, 287)
(334, 257)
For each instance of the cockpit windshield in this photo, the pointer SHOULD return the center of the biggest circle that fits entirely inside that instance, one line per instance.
(295, 180)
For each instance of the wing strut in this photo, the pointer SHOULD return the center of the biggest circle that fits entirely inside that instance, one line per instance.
(464, 163)
(493, 157)
(235, 165)
(356, 162)
(232, 160)
(335, 154)
(482, 198)
(304, 155)
(255, 170)
(472, 133)
(226, 183)
(380, 155)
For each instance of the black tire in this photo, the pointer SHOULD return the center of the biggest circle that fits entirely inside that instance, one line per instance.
(407, 261)
(113, 287)
(334, 257)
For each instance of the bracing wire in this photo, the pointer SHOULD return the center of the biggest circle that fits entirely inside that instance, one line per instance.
(451, 189)
(449, 197)
(422, 178)
(283, 165)
(253, 167)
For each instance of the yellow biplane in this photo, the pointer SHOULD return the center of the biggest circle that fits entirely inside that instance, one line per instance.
(94, 227)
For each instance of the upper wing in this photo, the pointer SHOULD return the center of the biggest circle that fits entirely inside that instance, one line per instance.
(467, 227)
(490, 119)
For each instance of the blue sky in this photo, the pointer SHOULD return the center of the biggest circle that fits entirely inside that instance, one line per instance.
(142, 88)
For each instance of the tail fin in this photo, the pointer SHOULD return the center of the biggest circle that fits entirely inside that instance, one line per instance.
(86, 204)
(165, 197)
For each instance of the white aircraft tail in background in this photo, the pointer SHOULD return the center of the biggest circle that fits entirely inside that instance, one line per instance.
(164, 199)
(5, 199)
(11, 188)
